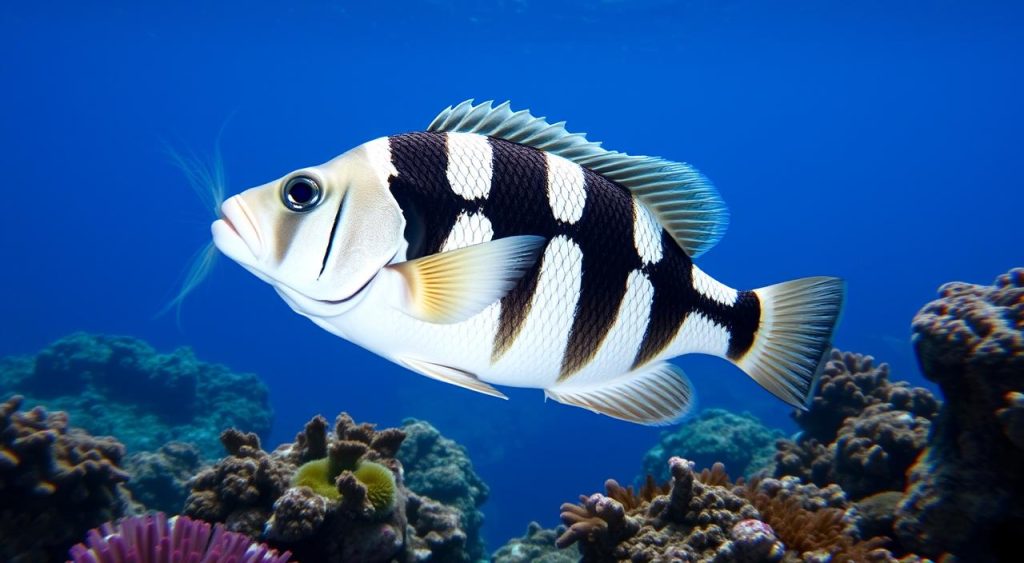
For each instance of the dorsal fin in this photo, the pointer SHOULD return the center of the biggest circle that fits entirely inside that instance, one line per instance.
(683, 200)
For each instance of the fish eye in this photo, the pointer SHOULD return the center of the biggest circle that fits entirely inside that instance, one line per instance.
(301, 193)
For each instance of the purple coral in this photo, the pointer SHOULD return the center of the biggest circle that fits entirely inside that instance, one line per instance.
(153, 537)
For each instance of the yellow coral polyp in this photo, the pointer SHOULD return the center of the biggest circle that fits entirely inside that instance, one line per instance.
(380, 485)
(316, 475)
(320, 475)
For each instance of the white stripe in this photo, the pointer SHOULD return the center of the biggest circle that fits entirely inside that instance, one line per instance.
(712, 289)
(469, 165)
(701, 335)
(646, 233)
(535, 358)
(469, 229)
(566, 193)
(378, 156)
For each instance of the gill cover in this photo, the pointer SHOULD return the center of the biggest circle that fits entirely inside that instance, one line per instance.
(321, 249)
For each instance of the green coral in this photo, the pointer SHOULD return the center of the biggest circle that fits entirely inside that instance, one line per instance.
(380, 485)
(321, 476)
(317, 475)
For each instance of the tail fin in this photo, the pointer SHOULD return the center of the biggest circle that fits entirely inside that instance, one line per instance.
(794, 336)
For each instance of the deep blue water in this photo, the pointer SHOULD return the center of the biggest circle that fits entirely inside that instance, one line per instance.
(878, 141)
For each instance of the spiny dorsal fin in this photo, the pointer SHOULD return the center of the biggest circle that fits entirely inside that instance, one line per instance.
(683, 200)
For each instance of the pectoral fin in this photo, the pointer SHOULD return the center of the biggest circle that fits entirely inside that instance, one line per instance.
(451, 375)
(452, 286)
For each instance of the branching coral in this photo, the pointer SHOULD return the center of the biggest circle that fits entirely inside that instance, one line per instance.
(177, 540)
(965, 492)
(55, 481)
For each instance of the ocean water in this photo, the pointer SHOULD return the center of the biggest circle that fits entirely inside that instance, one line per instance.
(877, 141)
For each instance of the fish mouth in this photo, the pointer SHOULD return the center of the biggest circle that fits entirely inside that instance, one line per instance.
(235, 233)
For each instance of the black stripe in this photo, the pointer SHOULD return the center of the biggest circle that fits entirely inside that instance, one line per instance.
(518, 205)
(330, 241)
(674, 298)
(745, 318)
(605, 236)
(422, 190)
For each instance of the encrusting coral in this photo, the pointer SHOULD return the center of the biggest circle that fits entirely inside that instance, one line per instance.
(329, 496)
(56, 482)
(177, 540)
(739, 441)
(965, 496)
(440, 468)
(118, 385)
(536, 546)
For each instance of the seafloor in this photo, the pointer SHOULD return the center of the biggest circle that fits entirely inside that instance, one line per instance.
(880, 471)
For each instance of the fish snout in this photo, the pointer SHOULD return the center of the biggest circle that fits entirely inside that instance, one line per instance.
(236, 225)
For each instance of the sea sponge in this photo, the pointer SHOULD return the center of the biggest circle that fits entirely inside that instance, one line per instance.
(380, 485)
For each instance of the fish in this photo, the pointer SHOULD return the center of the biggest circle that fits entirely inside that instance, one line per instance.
(496, 248)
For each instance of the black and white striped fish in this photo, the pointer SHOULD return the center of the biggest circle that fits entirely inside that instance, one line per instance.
(497, 248)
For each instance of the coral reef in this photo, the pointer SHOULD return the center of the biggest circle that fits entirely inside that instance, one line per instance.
(56, 481)
(159, 480)
(329, 496)
(178, 540)
(704, 517)
(965, 493)
(739, 441)
(114, 385)
(440, 468)
(883, 429)
(537, 545)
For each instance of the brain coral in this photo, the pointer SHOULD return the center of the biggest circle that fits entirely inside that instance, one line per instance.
(737, 440)
(357, 509)
(440, 468)
(56, 482)
(121, 386)
(965, 493)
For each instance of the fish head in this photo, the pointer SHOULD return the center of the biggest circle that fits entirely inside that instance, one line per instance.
(319, 235)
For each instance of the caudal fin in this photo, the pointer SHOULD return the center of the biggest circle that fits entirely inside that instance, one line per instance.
(794, 336)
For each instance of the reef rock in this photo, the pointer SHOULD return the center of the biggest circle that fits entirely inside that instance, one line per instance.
(966, 492)
(739, 441)
(120, 386)
(56, 482)
(537, 546)
(330, 496)
(159, 480)
(440, 468)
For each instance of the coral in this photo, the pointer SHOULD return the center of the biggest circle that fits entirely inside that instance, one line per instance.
(329, 496)
(862, 431)
(159, 480)
(691, 522)
(121, 386)
(536, 546)
(178, 540)
(440, 468)
(964, 496)
(753, 541)
(55, 480)
(849, 384)
(738, 440)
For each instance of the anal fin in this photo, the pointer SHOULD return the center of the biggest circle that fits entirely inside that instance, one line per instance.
(657, 394)
(455, 376)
